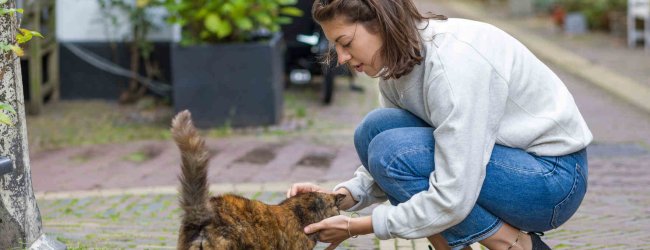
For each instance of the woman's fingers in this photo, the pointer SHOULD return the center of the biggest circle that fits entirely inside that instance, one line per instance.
(333, 245)
(330, 230)
(297, 188)
(312, 228)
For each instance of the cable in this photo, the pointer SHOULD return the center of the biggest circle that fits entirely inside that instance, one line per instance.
(101, 63)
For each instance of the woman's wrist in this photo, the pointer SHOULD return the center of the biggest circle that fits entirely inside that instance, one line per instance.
(361, 225)
(348, 202)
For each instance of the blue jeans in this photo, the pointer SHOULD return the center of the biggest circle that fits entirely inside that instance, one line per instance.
(532, 193)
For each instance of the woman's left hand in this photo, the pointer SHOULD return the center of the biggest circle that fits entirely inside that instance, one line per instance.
(333, 230)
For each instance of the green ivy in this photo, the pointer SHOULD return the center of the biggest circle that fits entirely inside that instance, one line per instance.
(4, 118)
(223, 21)
(22, 36)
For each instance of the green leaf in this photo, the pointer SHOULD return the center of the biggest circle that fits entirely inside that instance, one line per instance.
(5, 119)
(226, 8)
(7, 107)
(291, 11)
(212, 22)
(16, 49)
(225, 29)
(215, 25)
(10, 11)
(24, 37)
(263, 19)
(244, 23)
(239, 10)
(5, 47)
(287, 2)
(201, 13)
(36, 33)
(284, 20)
(3, 1)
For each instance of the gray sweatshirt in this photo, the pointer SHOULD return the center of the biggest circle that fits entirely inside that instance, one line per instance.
(477, 86)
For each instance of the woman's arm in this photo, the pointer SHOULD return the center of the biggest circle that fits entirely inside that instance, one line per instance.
(361, 225)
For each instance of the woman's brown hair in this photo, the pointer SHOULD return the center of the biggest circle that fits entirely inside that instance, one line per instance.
(394, 20)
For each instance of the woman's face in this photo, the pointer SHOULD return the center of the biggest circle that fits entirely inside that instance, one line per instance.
(354, 45)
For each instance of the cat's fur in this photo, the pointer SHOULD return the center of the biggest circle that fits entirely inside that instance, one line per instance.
(233, 222)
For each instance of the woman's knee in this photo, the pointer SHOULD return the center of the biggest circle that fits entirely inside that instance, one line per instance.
(372, 122)
(383, 119)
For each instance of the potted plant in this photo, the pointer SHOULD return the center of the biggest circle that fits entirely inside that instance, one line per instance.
(228, 68)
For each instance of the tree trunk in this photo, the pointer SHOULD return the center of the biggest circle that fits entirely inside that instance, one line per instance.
(20, 220)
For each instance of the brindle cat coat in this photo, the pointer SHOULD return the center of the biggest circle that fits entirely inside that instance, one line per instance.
(233, 222)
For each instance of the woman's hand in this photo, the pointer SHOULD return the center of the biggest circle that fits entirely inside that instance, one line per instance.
(334, 230)
(305, 187)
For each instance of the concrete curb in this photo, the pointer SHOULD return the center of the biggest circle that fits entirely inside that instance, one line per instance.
(173, 190)
(612, 82)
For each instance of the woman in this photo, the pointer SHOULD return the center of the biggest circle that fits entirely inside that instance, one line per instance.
(477, 140)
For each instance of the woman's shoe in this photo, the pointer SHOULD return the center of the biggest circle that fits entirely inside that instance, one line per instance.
(538, 244)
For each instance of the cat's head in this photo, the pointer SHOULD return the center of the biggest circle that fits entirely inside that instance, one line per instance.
(313, 207)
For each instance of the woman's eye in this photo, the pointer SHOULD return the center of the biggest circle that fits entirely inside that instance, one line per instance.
(347, 45)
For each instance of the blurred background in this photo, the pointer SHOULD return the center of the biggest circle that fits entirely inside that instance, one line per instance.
(101, 88)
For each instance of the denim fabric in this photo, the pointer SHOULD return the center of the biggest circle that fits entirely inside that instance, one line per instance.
(532, 193)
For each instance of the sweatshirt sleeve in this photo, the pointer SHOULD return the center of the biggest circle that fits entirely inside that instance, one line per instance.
(466, 110)
(363, 188)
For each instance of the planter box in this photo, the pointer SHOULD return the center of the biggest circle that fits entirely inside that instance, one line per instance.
(80, 80)
(230, 84)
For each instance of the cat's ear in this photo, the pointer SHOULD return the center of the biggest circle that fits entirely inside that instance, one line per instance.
(339, 199)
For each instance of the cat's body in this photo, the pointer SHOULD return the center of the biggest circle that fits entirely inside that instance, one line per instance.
(233, 222)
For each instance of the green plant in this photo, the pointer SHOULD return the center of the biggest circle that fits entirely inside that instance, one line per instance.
(4, 118)
(22, 35)
(142, 21)
(209, 21)
(596, 11)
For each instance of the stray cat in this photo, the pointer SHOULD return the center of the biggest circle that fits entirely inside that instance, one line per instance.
(234, 222)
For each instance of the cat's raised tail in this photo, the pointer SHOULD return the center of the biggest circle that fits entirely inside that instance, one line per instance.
(194, 169)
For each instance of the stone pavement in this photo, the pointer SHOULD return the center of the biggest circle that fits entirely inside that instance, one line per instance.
(102, 197)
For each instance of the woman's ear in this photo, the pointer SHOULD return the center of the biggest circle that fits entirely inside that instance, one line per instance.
(339, 199)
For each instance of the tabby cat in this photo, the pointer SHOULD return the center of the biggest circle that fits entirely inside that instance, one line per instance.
(233, 222)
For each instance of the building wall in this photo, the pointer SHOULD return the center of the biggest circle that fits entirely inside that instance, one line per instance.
(83, 21)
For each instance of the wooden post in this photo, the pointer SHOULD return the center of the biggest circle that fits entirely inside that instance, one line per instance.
(42, 85)
(20, 220)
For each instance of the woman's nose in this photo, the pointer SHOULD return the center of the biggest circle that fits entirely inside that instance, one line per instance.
(342, 56)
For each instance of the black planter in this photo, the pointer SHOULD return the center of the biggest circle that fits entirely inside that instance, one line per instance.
(234, 84)
(80, 80)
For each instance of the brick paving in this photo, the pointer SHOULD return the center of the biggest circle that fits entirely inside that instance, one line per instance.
(614, 215)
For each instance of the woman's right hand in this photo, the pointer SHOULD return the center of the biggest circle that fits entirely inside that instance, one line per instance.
(305, 187)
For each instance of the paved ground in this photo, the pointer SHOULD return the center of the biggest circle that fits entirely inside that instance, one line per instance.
(122, 201)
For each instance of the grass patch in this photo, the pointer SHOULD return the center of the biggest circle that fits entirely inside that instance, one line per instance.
(137, 157)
